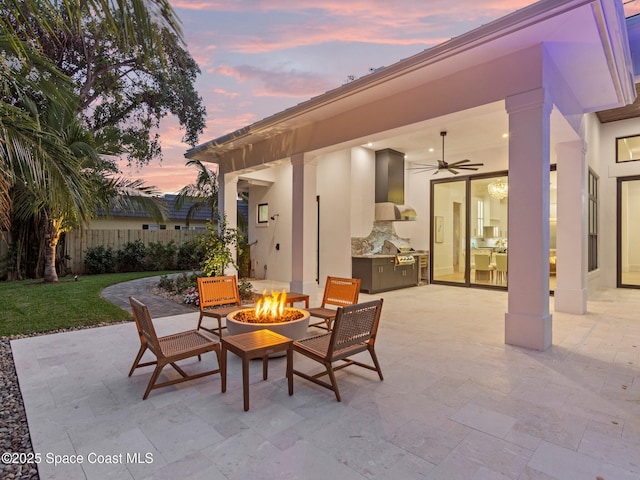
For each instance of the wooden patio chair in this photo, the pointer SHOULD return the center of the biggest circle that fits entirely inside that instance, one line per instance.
(339, 292)
(169, 349)
(219, 296)
(354, 331)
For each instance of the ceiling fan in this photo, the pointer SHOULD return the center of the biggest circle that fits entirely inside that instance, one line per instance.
(452, 167)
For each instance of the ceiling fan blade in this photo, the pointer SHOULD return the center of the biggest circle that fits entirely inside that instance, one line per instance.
(451, 167)
(423, 166)
(466, 160)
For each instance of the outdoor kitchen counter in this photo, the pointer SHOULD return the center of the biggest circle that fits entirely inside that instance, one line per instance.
(379, 273)
(415, 253)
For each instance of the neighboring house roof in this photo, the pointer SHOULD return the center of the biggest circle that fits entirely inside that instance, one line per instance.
(172, 213)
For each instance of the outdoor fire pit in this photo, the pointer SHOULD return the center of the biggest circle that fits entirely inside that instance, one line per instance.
(270, 312)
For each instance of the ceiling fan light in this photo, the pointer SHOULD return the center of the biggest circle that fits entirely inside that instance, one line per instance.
(498, 189)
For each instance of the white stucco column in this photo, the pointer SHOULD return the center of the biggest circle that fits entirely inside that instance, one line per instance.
(228, 205)
(528, 321)
(303, 225)
(570, 294)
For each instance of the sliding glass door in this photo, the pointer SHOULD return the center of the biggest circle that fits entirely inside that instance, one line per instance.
(449, 231)
(469, 230)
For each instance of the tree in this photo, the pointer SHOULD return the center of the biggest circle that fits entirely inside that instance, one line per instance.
(217, 246)
(78, 181)
(24, 146)
(125, 84)
(203, 193)
(50, 173)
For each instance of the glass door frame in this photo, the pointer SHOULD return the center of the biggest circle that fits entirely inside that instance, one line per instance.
(467, 243)
(432, 184)
(619, 182)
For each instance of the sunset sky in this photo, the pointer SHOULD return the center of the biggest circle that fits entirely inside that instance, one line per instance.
(259, 57)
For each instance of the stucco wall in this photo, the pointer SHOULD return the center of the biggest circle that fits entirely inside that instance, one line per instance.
(362, 191)
(271, 254)
(609, 171)
(334, 189)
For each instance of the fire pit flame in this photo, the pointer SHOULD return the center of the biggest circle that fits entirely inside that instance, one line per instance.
(271, 307)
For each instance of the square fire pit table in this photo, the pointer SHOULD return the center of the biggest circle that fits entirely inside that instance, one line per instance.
(256, 344)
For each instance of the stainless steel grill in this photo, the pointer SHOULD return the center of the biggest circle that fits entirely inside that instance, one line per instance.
(401, 250)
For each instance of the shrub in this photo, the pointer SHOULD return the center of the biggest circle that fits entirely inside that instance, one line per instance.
(160, 256)
(244, 257)
(217, 248)
(131, 257)
(99, 260)
(185, 281)
(166, 283)
(190, 255)
(245, 289)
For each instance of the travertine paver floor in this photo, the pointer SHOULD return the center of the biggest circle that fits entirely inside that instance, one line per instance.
(456, 402)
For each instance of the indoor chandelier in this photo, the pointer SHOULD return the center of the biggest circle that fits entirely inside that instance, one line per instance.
(498, 189)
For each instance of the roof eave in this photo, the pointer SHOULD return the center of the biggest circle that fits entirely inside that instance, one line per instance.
(618, 53)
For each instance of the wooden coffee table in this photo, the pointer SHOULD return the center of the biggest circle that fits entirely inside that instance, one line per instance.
(256, 344)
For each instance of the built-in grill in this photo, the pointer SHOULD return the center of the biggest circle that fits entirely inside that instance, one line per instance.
(401, 250)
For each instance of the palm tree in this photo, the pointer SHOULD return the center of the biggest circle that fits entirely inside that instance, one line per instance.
(203, 193)
(48, 166)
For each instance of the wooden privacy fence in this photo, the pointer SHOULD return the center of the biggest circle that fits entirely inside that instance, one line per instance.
(77, 242)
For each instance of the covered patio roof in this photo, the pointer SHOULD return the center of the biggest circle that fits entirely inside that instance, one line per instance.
(586, 41)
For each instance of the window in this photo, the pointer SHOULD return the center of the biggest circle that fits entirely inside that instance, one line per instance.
(628, 149)
(593, 222)
(263, 213)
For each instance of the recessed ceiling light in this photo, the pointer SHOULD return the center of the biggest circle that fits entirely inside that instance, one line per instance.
(431, 150)
(369, 144)
(505, 135)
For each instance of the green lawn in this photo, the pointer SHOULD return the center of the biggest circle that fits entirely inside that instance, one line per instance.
(31, 306)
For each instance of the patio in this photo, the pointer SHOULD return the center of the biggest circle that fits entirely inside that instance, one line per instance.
(456, 402)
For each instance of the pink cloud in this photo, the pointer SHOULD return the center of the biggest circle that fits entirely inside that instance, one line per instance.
(240, 84)
(219, 125)
(361, 8)
(284, 83)
(408, 22)
(224, 93)
(165, 176)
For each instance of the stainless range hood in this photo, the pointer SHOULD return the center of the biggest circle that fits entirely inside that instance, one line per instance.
(390, 187)
(389, 211)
